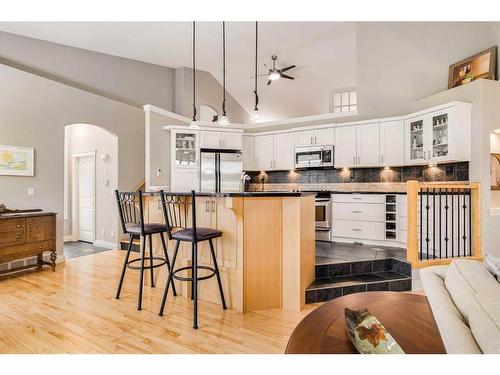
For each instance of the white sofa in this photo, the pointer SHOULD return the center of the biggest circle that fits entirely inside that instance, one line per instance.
(465, 301)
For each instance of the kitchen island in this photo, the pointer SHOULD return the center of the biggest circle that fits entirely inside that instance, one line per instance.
(266, 254)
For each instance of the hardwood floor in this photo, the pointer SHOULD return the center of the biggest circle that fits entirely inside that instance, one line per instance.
(74, 311)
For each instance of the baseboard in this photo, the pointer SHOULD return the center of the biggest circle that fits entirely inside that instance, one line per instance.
(106, 244)
(69, 238)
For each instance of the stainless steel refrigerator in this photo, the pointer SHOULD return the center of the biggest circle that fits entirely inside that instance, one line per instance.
(220, 170)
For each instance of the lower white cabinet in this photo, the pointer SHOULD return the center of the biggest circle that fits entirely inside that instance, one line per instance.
(185, 180)
(363, 230)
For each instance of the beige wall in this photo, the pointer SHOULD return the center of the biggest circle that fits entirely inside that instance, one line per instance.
(34, 112)
(83, 138)
(129, 81)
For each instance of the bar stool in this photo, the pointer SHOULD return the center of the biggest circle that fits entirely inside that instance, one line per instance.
(131, 211)
(176, 211)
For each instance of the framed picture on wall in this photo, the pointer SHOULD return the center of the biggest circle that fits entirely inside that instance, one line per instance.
(17, 161)
(495, 171)
(480, 65)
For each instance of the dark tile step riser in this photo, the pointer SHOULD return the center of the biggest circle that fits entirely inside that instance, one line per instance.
(135, 247)
(326, 294)
(362, 267)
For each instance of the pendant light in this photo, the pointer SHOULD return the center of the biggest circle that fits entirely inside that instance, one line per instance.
(255, 115)
(193, 124)
(223, 120)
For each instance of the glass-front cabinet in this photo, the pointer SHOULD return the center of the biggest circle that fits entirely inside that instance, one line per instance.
(440, 135)
(186, 149)
(417, 140)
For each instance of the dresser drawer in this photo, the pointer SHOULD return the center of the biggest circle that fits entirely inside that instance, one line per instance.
(12, 225)
(359, 211)
(39, 228)
(364, 230)
(359, 198)
(40, 246)
(12, 238)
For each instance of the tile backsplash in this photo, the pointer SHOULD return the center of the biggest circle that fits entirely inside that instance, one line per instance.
(441, 172)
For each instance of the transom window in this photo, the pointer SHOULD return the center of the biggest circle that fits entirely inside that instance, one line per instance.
(345, 100)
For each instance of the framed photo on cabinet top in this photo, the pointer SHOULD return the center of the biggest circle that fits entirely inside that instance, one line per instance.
(480, 65)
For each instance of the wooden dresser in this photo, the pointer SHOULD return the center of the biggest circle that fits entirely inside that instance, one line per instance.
(27, 235)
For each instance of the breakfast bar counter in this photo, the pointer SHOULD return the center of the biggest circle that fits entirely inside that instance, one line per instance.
(266, 254)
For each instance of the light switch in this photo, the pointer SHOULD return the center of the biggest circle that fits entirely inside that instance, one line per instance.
(31, 191)
(158, 173)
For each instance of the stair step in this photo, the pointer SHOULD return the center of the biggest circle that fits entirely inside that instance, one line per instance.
(136, 245)
(325, 289)
(334, 269)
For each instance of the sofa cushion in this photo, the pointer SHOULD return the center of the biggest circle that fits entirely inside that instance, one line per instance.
(485, 321)
(457, 336)
(463, 279)
(493, 265)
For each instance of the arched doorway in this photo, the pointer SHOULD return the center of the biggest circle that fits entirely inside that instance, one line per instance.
(90, 178)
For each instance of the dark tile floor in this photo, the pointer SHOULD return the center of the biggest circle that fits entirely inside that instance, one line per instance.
(327, 252)
(75, 249)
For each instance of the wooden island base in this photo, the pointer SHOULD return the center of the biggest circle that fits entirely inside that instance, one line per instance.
(266, 254)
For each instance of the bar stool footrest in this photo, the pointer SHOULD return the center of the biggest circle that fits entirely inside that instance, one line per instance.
(200, 278)
(146, 267)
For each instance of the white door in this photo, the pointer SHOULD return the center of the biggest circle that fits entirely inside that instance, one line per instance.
(304, 138)
(392, 143)
(284, 151)
(345, 146)
(210, 139)
(324, 137)
(86, 197)
(368, 150)
(232, 141)
(264, 152)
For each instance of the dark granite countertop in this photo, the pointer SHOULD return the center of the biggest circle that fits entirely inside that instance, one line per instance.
(369, 192)
(248, 194)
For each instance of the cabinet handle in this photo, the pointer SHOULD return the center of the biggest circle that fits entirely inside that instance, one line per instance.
(354, 160)
(357, 198)
(382, 159)
(357, 230)
(271, 164)
(357, 212)
(312, 141)
(18, 226)
(213, 206)
(359, 159)
(206, 206)
(315, 140)
(429, 155)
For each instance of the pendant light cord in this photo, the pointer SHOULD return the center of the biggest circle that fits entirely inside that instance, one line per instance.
(256, 44)
(194, 71)
(223, 68)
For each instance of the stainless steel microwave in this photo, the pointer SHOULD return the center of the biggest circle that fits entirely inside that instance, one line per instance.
(316, 156)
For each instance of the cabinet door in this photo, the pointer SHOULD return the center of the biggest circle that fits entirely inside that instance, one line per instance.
(345, 146)
(324, 137)
(232, 141)
(205, 208)
(368, 149)
(392, 143)
(248, 152)
(416, 142)
(185, 180)
(284, 151)
(264, 146)
(185, 149)
(441, 135)
(209, 139)
(304, 138)
(39, 228)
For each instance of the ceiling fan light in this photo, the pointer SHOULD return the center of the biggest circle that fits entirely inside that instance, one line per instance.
(223, 121)
(273, 76)
(255, 115)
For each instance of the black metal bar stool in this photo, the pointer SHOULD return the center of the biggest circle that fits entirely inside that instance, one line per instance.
(176, 211)
(131, 211)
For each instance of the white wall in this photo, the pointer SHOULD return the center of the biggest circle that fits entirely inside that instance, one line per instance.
(83, 138)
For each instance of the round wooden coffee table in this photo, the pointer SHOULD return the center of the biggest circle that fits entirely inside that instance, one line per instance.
(407, 317)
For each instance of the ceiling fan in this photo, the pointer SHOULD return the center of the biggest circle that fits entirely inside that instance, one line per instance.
(275, 74)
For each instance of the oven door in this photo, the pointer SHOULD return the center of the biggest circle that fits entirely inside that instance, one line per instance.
(323, 213)
(308, 157)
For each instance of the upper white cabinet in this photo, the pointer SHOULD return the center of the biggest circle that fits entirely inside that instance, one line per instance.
(345, 147)
(248, 152)
(274, 152)
(185, 148)
(221, 140)
(392, 148)
(319, 137)
(439, 136)
(264, 152)
(367, 145)
(284, 152)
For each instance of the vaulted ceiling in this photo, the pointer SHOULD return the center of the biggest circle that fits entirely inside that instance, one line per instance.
(324, 52)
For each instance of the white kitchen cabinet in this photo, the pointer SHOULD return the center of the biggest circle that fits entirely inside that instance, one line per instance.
(264, 152)
(345, 147)
(248, 153)
(221, 140)
(284, 152)
(392, 144)
(316, 137)
(439, 136)
(367, 145)
(185, 148)
(185, 179)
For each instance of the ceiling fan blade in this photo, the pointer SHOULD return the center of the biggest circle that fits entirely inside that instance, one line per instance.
(287, 77)
(269, 82)
(287, 68)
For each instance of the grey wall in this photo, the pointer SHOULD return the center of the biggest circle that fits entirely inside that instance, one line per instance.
(208, 92)
(34, 112)
(129, 81)
(399, 63)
